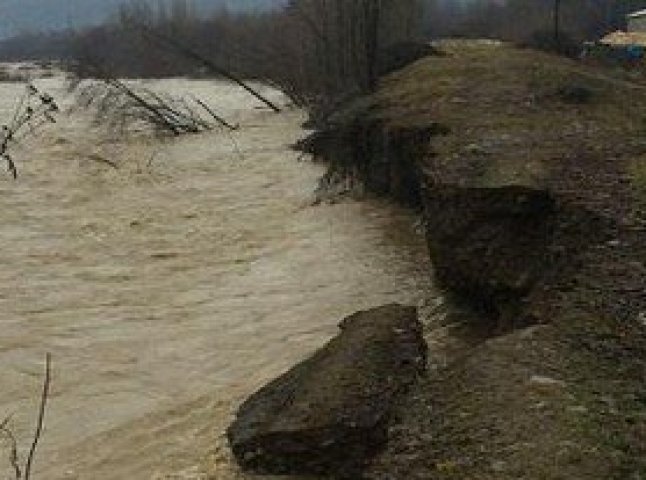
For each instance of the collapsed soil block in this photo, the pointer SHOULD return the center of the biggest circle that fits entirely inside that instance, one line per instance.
(330, 413)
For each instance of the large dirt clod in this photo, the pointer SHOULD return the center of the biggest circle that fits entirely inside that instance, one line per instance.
(330, 413)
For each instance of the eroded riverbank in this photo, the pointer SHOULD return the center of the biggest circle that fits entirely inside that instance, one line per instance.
(171, 288)
(534, 211)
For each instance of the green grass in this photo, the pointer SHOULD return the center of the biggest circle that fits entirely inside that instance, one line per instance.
(638, 175)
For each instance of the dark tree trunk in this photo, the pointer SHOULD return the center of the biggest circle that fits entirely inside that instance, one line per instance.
(557, 23)
(373, 20)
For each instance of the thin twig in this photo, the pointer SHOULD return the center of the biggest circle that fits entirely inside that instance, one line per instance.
(5, 422)
(13, 454)
(18, 110)
(195, 118)
(149, 164)
(107, 161)
(236, 147)
(211, 112)
(22, 122)
(41, 416)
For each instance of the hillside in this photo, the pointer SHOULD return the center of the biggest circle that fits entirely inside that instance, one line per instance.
(531, 172)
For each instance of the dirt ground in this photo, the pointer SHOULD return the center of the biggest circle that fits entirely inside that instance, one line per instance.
(563, 399)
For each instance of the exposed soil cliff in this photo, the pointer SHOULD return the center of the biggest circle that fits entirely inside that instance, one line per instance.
(530, 172)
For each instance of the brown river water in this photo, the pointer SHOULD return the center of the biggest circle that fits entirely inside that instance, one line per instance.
(170, 289)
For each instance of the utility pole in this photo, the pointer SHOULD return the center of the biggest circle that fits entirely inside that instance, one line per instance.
(372, 17)
(557, 23)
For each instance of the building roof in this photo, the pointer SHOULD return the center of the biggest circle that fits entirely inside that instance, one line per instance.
(620, 38)
(637, 14)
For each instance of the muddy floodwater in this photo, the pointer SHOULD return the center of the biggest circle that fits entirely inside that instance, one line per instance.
(169, 289)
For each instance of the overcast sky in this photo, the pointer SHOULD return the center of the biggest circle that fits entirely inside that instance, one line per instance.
(17, 16)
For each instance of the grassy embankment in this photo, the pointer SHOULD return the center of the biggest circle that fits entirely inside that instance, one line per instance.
(565, 398)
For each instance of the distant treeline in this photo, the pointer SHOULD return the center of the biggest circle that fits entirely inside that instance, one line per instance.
(38, 46)
(519, 20)
(312, 49)
(507, 19)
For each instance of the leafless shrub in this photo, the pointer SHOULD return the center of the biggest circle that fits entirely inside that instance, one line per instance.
(34, 109)
(126, 108)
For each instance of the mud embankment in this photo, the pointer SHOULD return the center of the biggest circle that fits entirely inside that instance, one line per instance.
(536, 232)
(522, 261)
(366, 155)
(491, 247)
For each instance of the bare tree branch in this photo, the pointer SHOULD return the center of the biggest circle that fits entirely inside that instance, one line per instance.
(215, 116)
(5, 422)
(34, 105)
(190, 53)
(13, 445)
(121, 105)
(41, 416)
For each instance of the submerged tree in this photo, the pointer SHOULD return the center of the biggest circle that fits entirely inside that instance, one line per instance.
(34, 109)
